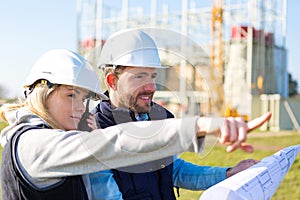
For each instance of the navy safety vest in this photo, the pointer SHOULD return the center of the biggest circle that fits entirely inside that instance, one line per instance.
(15, 186)
(152, 185)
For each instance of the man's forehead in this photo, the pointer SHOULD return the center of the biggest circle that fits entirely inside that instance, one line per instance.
(140, 70)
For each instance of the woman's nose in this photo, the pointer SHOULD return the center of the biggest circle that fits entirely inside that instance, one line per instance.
(80, 106)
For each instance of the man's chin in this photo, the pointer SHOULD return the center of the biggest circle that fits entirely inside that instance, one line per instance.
(142, 109)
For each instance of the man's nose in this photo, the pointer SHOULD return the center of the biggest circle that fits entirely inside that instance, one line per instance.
(150, 86)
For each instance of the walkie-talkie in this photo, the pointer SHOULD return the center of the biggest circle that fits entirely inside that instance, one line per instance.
(83, 125)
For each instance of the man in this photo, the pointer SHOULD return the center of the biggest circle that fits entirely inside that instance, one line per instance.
(130, 59)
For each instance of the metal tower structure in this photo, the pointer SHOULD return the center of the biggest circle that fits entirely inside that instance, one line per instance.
(227, 45)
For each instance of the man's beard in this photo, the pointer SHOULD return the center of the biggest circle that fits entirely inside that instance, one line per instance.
(141, 109)
(132, 103)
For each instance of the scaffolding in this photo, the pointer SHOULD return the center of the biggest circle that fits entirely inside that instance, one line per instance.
(249, 60)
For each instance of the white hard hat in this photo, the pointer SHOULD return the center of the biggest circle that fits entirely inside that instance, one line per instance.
(61, 66)
(130, 47)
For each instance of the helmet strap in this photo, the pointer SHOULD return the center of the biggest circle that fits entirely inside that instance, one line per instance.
(41, 81)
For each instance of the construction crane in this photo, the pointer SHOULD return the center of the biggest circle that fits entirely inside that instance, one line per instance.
(224, 108)
(217, 53)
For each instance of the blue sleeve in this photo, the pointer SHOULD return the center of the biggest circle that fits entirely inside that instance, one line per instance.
(104, 186)
(194, 177)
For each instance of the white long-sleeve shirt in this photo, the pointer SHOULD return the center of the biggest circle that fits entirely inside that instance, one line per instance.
(47, 155)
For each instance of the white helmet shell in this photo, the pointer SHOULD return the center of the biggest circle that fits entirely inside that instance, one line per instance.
(130, 47)
(61, 66)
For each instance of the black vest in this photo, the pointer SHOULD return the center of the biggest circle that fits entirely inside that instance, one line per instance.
(16, 187)
(153, 185)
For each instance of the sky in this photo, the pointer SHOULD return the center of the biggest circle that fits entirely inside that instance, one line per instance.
(30, 28)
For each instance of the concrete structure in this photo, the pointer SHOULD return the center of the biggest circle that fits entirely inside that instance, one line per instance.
(255, 66)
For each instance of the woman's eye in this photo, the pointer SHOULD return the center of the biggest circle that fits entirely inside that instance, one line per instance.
(84, 99)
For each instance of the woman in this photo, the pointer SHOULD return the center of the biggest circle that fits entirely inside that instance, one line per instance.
(44, 157)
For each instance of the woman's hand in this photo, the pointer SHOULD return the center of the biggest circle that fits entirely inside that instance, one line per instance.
(91, 120)
(231, 131)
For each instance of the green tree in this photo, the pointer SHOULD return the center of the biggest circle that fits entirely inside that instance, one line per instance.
(293, 86)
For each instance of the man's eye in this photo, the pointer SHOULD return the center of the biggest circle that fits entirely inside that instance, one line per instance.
(139, 76)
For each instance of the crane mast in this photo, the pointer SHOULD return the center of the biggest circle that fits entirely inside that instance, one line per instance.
(217, 53)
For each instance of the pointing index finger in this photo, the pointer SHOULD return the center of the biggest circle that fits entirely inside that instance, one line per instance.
(257, 122)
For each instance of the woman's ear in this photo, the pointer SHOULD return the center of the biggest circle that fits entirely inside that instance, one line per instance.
(111, 81)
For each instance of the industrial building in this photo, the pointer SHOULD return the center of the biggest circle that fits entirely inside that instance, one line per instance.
(226, 57)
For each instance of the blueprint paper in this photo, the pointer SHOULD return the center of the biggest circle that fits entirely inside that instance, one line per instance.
(258, 182)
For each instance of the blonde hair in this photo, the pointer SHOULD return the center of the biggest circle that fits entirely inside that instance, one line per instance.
(36, 103)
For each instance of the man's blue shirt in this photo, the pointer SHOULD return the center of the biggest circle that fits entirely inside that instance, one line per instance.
(185, 175)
